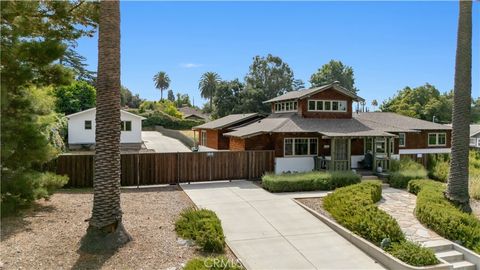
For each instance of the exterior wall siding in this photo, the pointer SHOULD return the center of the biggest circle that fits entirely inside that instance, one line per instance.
(236, 144)
(419, 140)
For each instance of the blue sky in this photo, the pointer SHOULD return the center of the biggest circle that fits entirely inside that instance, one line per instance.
(390, 45)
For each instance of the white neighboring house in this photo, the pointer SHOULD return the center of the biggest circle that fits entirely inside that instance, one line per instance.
(81, 129)
(475, 136)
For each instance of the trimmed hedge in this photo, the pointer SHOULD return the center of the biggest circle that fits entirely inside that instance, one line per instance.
(440, 215)
(202, 226)
(289, 182)
(212, 263)
(354, 207)
(413, 253)
(404, 171)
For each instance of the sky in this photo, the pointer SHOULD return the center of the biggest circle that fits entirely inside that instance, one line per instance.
(389, 45)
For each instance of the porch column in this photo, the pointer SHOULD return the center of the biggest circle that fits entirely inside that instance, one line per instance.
(332, 154)
(349, 153)
(374, 153)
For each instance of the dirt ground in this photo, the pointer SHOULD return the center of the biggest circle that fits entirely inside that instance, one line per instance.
(47, 236)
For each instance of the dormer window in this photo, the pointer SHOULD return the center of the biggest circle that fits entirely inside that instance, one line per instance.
(327, 105)
(286, 106)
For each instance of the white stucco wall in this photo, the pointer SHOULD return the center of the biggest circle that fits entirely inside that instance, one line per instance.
(77, 134)
(294, 164)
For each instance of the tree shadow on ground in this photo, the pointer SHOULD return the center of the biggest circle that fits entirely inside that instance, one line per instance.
(91, 261)
(20, 222)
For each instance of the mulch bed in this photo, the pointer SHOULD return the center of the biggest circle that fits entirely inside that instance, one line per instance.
(47, 236)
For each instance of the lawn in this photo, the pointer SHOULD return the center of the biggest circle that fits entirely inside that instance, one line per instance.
(47, 236)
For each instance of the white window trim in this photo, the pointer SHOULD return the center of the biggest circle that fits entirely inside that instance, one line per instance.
(293, 146)
(283, 104)
(203, 137)
(124, 128)
(85, 125)
(436, 140)
(331, 105)
(404, 140)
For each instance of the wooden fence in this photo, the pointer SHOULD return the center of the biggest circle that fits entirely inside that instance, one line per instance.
(171, 168)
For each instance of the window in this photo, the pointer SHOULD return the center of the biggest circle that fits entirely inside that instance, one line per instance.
(203, 137)
(473, 141)
(126, 126)
(88, 124)
(286, 106)
(300, 146)
(368, 145)
(437, 139)
(380, 146)
(401, 139)
(327, 105)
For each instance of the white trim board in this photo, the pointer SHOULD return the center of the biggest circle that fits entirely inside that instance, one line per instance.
(424, 151)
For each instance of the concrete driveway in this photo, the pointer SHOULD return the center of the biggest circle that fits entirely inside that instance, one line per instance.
(270, 231)
(162, 144)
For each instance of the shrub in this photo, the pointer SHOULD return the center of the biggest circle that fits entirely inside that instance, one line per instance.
(158, 118)
(439, 171)
(202, 226)
(354, 207)
(20, 189)
(404, 171)
(212, 263)
(413, 253)
(437, 213)
(288, 182)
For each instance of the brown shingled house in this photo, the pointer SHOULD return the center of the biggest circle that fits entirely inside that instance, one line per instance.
(317, 128)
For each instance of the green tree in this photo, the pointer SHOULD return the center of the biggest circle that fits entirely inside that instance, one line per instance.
(423, 102)
(36, 36)
(208, 85)
(75, 97)
(267, 78)
(105, 231)
(227, 98)
(170, 95)
(457, 184)
(162, 82)
(475, 113)
(374, 104)
(183, 100)
(334, 71)
(128, 99)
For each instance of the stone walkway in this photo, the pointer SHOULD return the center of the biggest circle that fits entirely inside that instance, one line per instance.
(400, 204)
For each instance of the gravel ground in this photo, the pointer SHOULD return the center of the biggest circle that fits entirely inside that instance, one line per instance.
(316, 204)
(47, 236)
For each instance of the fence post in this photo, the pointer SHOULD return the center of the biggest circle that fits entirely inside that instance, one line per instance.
(137, 161)
(178, 169)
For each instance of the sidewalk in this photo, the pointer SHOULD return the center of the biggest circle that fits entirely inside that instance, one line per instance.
(270, 231)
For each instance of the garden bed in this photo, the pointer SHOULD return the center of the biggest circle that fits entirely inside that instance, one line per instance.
(47, 236)
(291, 182)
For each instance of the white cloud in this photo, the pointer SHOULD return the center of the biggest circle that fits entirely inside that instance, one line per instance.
(190, 65)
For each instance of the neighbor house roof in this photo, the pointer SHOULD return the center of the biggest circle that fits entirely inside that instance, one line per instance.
(94, 109)
(304, 93)
(474, 130)
(189, 111)
(293, 123)
(394, 122)
(227, 121)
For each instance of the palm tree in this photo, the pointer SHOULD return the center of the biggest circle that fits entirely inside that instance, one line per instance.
(162, 82)
(105, 230)
(374, 104)
(208, 85)
(457, 187)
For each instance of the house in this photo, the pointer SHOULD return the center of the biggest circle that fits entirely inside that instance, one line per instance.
(475, 136)
(193, 114)
(317, 128)
(81, 129)
(211, 134)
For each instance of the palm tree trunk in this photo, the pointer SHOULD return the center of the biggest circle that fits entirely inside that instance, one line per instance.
(105, 231)
(161, 94)
(457, 188)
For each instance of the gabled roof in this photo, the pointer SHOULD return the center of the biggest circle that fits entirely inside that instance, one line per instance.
(394, 122)
(189, 111)
(94, 109)
(293, 123)
(474, 130)
(227, 121)
(304, 93)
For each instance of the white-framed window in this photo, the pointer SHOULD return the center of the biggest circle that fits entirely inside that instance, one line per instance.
(478, 142)
(126, 126)
(203, 137)
(327, 105)
(402, 139)
(473, 141)
(286, 106)
(88, 124)
(437, 139)
(300, 146)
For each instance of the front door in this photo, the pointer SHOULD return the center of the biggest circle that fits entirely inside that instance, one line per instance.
(341, 155)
